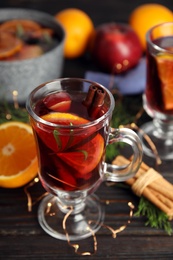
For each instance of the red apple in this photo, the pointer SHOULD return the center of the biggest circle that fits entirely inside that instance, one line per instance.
(116, 47)
(59, 102)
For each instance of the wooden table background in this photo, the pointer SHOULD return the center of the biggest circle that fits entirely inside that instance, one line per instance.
(21, 237)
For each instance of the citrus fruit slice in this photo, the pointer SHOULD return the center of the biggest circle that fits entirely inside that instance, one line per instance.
(59, 102)
(85, 157)
(165, 70)
(26, 52)
(18, 162)
(19, 26)
(85, 150)
(9, 45)
(62, 138)
(64, 118)
(60, 174)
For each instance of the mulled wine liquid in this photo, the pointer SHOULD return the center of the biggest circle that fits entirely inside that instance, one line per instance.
(69, 159)
(159, 90)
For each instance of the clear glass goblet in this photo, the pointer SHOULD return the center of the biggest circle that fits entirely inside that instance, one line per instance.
(158, 96)
(71, 124)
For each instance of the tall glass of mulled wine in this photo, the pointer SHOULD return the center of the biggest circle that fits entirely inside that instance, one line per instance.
(158, 97)
(71, 118)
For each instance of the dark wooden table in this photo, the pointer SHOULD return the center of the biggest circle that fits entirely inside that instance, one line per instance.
(21, 237)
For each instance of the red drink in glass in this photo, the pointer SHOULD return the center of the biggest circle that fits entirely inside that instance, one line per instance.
(68, 157)
(158, 97)
(159, 91)
(71, 122)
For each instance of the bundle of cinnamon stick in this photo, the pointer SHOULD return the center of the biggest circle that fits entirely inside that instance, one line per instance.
(149, 183)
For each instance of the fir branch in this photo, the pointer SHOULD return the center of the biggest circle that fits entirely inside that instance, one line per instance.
(120, 116)
(155, 217)
(9, 113)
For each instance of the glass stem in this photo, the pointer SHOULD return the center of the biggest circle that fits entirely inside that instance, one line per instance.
(163, 128)
(75, 208)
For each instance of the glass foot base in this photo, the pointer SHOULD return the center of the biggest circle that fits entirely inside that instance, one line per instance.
(164, 146)
(78, 226)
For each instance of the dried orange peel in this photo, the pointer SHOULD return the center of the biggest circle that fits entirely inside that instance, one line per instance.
(18, 161)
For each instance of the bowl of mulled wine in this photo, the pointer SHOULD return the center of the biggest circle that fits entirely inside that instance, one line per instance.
(19, 74)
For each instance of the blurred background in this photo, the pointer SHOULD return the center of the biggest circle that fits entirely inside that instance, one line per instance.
(99, 11)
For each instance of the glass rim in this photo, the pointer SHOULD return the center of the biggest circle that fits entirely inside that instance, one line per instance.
(80, 126)
(150, 41)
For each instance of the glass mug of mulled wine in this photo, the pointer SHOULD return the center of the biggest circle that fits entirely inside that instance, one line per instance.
(70, 118)
(158, 96)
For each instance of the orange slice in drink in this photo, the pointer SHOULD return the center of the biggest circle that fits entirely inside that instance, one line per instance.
(59, 102)
(26, 52)
(64, 119)
(19, 26)
(85, 157)
(61, 138)
(82, 151)
(9, 45)
(18, 161)
(165, 71)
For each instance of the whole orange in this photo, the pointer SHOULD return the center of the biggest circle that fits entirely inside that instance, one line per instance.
(78, 27)
(146, 16)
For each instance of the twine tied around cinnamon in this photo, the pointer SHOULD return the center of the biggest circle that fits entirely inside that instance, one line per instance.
(144, 180)
(152, 185)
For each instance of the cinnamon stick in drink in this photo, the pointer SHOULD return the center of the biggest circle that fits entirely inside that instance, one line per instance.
(97, 103)
(94, 100)
(90, 96)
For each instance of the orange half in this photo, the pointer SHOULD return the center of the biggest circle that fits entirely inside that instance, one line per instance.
(18, 161)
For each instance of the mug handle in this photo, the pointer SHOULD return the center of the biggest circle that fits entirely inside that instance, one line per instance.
(117, 173)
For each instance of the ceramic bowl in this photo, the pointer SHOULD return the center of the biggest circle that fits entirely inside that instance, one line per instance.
(23, 76)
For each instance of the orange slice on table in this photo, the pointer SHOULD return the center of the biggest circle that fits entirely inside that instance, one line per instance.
(9, 45)
(165, 71)
(18, 161)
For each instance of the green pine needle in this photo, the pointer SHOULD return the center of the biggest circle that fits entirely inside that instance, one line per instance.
(155, 217)
(9, 113)
(119, 117)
